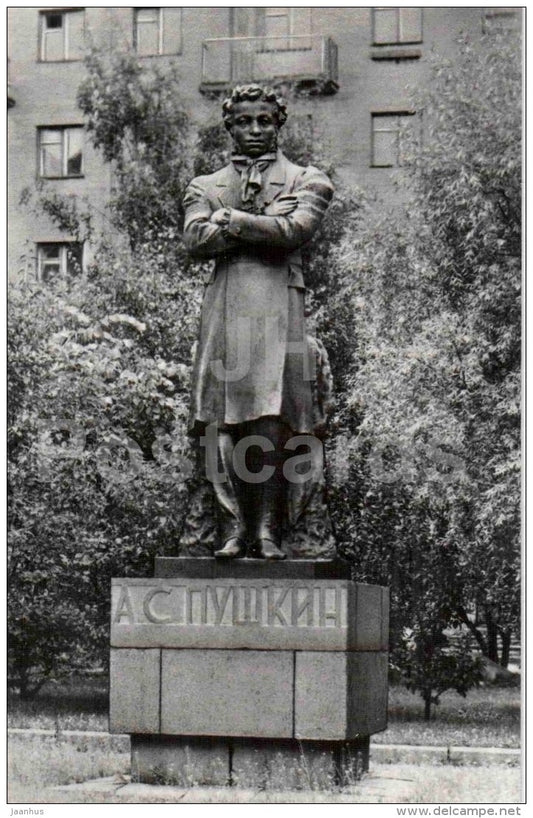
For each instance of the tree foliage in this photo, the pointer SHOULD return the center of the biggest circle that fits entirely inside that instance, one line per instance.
(431, 413)
(137, 120)
(99, 463)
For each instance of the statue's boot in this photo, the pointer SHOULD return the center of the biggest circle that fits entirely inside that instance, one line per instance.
(230, 502)
(234, 547)
(269, 516)
(268, 550)
(270, 495)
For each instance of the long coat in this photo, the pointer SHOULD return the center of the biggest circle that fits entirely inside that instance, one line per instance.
(251, 358)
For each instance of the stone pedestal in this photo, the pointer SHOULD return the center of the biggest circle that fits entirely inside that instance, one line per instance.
(224, 672)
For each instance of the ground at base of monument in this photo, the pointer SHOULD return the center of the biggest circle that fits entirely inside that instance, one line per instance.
(384, 784)
(376, 787)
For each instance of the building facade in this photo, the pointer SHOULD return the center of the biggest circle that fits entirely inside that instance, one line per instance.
(351, 68)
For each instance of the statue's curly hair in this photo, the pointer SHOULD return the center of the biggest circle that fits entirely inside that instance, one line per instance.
(252, 93)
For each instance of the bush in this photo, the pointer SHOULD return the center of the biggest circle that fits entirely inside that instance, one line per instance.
(98, 467)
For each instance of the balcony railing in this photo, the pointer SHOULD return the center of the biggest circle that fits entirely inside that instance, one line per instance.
(308, 62)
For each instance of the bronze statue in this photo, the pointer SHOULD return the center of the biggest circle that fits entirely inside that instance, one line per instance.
(252, 379)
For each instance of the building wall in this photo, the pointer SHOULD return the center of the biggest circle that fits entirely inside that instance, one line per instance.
(45, 94)
(367, 85)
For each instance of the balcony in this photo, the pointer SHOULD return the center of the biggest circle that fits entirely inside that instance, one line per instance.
(307, 62)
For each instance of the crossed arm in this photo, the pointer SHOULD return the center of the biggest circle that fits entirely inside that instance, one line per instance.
(288, 221)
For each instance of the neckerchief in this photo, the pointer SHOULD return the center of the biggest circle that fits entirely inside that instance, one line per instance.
(251, 170)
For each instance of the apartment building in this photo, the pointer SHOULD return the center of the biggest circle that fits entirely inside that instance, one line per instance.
(351, 69)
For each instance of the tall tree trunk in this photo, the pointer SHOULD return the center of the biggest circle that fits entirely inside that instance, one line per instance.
(492, 637)
(505, 635)
(427, 705)
(23, 687)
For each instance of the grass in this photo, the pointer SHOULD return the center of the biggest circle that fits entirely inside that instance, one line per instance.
(32, 771)
(37, 763)
(488, 717)
(76, 704)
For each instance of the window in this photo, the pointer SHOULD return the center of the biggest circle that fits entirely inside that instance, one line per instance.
(392, 135)
(393, 26)
(157, 31)
(499, 19)
(285, 27)
(60, 152)
(59, 259)
(10, 95)
(62, 34)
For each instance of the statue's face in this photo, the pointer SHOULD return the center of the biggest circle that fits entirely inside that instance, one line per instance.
(254, 127)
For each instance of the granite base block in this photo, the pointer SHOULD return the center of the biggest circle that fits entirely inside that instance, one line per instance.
(254, 614)
(211, 568)
(306, 695)
(339, 695)
(255, 763)
(227, 692)
(292, 764)
(185, 761)
(134, 682)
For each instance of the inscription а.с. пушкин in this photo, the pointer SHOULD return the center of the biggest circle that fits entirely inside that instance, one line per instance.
(260, 605)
